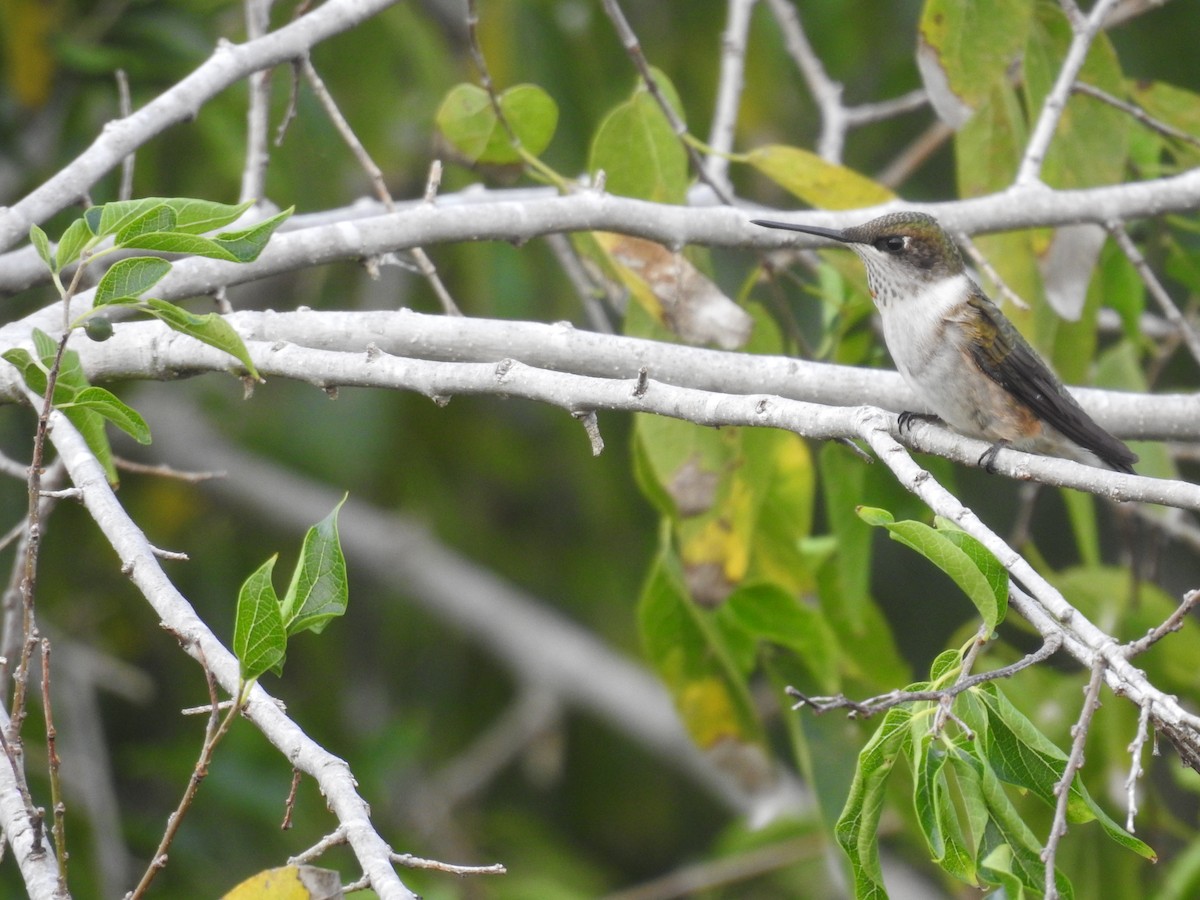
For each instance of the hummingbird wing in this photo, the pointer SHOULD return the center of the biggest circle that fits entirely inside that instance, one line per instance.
(1004, 356)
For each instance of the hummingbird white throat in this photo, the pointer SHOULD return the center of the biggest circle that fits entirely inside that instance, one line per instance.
(957, 351)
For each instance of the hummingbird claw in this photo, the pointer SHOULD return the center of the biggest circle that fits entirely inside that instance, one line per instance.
(906, 419)
(988, 459)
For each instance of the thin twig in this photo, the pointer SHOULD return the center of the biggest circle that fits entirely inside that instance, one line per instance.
(1157, 291)
(258, 109)
(214, 731)
(591, 425)
(730, 82)
(335, 838)
(1136, 112)
(589, 292)
(968, 663)
(1135, 764)
(1173, 622)
(375, 174)
(289, 805)
(914, 155)
(1079, 732)
(1086, 29)
(869, 113)
(699, 879)
(416, 862)
(33, 525)
(633, 47)
(863, 709)
(826, 92)
(125, 105)
(165, 471)
(58, 807)
(986, 267)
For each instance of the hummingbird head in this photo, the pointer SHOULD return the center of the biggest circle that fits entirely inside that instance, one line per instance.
(905, 252)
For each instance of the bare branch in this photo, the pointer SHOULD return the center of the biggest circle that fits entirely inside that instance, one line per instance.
(863, 709)
(1174, 622)
(1136, 112)
(1135, 765)
(1079, 732)
(729, 89)
(1086, 29)
(1156, 289)
(633, 47)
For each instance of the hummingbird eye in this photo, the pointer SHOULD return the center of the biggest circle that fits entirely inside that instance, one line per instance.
(892, 243)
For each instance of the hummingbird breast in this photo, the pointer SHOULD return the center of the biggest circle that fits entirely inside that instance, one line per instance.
(928, 333)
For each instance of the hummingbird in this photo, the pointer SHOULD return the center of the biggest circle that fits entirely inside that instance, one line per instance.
(958, 352)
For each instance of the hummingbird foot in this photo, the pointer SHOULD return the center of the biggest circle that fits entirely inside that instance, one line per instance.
(906, 419)
(988, 459)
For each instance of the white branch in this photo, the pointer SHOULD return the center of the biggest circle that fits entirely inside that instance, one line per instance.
(147, 350)
(729, 89)
(1028, 175)
(30, 844)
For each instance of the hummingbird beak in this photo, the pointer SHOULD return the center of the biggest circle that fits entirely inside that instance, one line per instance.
(830, 233)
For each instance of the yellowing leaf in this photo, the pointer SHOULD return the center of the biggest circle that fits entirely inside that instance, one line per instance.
(675, 292)
(965, 47)
(289, 883)
(817, 181)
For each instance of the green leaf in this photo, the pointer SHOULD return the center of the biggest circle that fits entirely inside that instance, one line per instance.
(232, 246)
(210, 328)
(71, 382)
(41, 244)
(984, 560)
(988, 149)
(945, 553)
(1022, 755)
(259, 640)
(947, 837)
(90, 425)
(817, 181)
(156, 218)
(176, 242)
(639, 152)
(106, 404)
(965, 47)
(71, 244)
(248, 243)
(468, 120)
(199, 216)
(1011, 852)
(318, 591)
(767, 612)
(843, 478)
(32, 373)
(91, 219)
(118, 215)
(857, 828)
(130, 278)
(694, 659)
